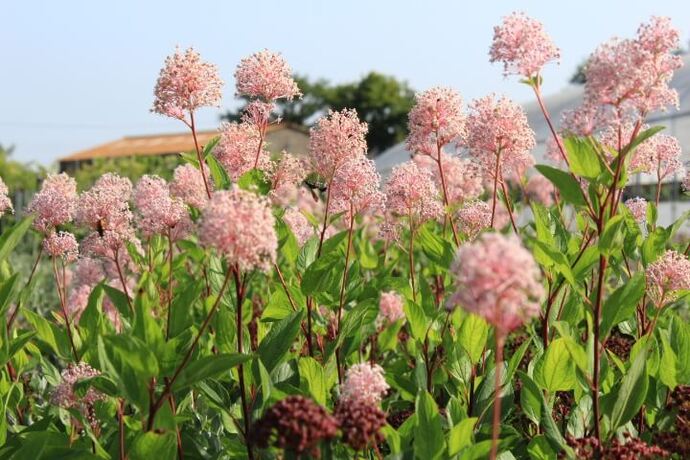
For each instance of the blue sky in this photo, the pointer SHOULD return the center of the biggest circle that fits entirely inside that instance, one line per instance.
(79, 73)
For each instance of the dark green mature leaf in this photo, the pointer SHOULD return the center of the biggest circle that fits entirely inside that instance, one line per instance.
(324, 275)
(208, 367)
(460, 436)
(119, 299)
(631, 392)
(50, 334)
(620, 305)
(530, 398)
(582, 157)
(8, 292)
(680, 343)
(12, 236)
(279, 340)
(564, 182)
(429, 441)
(436, 248)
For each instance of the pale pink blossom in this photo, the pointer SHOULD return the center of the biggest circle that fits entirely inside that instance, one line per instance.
(498, 131)
(667, 275)
(62, 245)
(299, 225)
(462, 176)
(258, 113)
(158, 212)
(5, 202)
(186, 83)
(336, 139)
(540, 189)
(685, 184)
(188, 185)
(390, 308)
(497, 279)
(78, 300)
(286, 173)
(364, 382)
(241, 227)
(411, 192)
(553, 151)
(265, 75)
(662, 157)
(55, 203)
(474, 217)
(581, 121)
(435, 120)
(238, 148)
(638, 208)
(522, 45)
(88, 271)
(356, 188)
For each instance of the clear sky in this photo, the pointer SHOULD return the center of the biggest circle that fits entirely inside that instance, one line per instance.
(78, 73)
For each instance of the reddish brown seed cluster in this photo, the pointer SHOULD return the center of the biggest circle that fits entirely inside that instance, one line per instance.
(296, 424)
(678, 439)
(628, 449)
(360, 423)
(619, 344)
(563, 405)
(396, 419)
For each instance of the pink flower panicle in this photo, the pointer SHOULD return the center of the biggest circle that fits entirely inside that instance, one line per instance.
(474, 217)
(238, 148)
(497, 279)
(390, 308)
(540, 189)
(364, 382)
(356, 188)
(240, 226)
(64, 395)
(266, 75)
(299, 225)
(55, 203)
(500, 127)
(185, 84)
(435, 120)
(522, 45)
(5, 202)
(286, 173)
(638, 208)
(662, 157)
(463, 177)
(188, 185)
(159, 212)
(668, 275)
(62, 245)
(411, 192)
(336, 139)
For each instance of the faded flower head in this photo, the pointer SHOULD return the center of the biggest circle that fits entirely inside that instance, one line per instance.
(63, 245)
(64, 394)
(238, 148)
(188, 185)
(540, 189)
(390, 308)
(241, 226)
(474, 217)
(638, 208)
(296, 424)
(55, 203)
(435, 120)
(356, 188)
(158, 211)
(185, 84)
(336, 139)
(265, 75)
(364, 382)
(5, 202)
(522, 45)
(360, 423)
(667, 275)
(411, 192)
(498, 129)
(497, 279)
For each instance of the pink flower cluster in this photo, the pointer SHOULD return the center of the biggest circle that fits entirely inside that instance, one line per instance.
(522, 45)
(240, 225)
(55, 204)
(390, 308)
(662, 157)
(411, 192)
(364, 382)
(188, 185)
(299, 225)
(498, 129)
(239, 146)
(5, 202)
(356, 188)
(265, 75)
(463, 177)
(497, 279)
(638, 208)
(158, 212)
(435, 120)
(668, 275)
(286, 174)
(186, 83)
(336, 139)
(64, 394)
(474, 217)
(540, 189)
(62, 245)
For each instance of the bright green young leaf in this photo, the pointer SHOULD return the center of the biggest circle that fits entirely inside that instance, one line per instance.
(460, 436)
(582, 157)
(558, 369)
(473, 334)
(279, 340)
(429, 440)
(564, 182)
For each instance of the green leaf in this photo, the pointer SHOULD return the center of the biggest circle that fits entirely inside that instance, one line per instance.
(582, 157)
(539, 448)
(417, 319)
(611, 238)
(254, 180)
(436, 248)
(429, 440)
(473, 334)
(279, 340)
(620, 305)
(460, 436)
(324, 275)
(643, 136)
(680, 343)
(208, 367)
(312, 374)
(150, 445)
(558, 369)
(654, 245)
(530, 398)
(567, 186)
(668, 368)
(12, 236)
(8, 292)
(632, 391)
